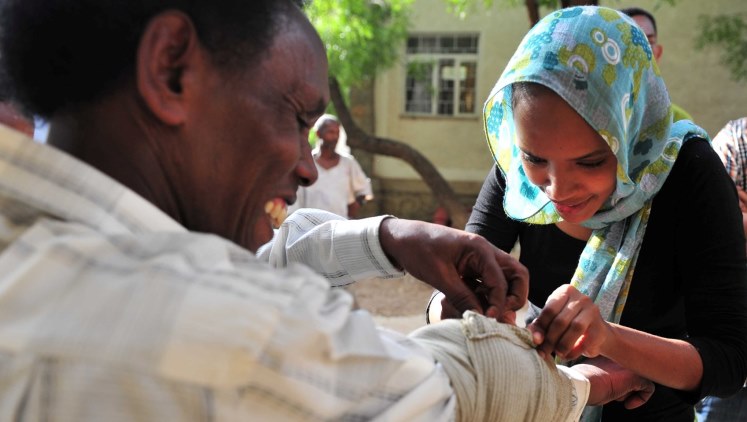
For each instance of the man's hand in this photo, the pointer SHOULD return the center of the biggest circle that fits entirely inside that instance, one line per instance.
(472, 273)
(610, 381)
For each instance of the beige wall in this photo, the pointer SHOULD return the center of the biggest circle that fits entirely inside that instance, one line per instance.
(457, 147)
(696, 79)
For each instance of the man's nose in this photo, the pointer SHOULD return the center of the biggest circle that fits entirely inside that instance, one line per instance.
(306, 169)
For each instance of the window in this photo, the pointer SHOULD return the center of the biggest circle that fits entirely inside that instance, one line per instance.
(441, 71)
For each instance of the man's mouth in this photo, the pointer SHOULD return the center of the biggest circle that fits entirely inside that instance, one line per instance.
(276, 210)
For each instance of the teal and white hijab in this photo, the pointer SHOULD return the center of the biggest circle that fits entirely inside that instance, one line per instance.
(601, 64)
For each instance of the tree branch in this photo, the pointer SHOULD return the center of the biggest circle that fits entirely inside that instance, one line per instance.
(357, 138)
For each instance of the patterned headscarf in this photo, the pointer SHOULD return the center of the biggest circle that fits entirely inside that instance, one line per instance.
(601, 64)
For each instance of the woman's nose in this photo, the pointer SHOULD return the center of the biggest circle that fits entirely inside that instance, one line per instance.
(560, 185)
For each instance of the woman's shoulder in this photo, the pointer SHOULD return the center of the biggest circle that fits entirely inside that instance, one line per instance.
(698, 176)
(697, 160)
(696, 148)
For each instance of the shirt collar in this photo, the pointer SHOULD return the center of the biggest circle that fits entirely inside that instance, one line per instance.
(49, 181)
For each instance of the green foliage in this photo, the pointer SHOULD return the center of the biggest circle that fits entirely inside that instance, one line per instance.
(362, 36)
(730, 33)
(313, 139)
(462, 8)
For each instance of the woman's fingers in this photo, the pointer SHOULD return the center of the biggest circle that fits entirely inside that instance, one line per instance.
(569, 325)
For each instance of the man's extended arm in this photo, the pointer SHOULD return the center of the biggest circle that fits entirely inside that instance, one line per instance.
(472, 273)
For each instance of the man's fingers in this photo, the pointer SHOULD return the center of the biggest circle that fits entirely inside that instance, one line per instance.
(516, 274)
(493, 287)
(515, 277)
(464, 299)
(448, 310)
(640, 397)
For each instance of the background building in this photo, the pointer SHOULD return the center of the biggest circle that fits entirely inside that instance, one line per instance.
(433, 99)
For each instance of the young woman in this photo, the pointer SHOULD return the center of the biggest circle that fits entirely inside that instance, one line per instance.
(628, 224)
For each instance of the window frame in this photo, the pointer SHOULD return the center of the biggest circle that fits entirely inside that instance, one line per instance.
(435, 59)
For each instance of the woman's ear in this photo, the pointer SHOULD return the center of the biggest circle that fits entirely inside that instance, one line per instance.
(168, 50)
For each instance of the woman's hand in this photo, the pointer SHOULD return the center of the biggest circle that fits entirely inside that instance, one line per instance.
(570, 325)
(471, 272)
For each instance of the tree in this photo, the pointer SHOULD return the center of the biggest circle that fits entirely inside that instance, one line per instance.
(363, 37)
(730, 33)
(462, 7)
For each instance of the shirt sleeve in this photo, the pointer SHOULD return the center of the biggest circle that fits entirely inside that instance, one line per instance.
(206, 329)
(343, 251)
(360, 183)
(581, 389)
(725, 145)
(710, 258)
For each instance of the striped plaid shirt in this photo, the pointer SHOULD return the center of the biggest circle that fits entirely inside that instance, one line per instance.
(731, 145)
(112, 311)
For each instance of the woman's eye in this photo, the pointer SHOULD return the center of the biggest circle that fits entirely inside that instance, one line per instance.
(591, 164)
(531, 159)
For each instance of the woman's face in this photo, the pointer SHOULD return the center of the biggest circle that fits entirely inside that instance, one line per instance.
(564, 156)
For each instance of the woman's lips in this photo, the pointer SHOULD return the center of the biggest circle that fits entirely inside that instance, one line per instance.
(569, 210)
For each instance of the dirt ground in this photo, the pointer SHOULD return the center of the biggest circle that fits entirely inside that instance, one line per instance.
(398, 297)
(397, 304)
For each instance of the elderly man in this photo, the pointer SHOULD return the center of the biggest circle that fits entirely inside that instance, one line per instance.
(130, 290)
(342, 187)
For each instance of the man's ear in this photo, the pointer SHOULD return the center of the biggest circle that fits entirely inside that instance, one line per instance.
(657, 50)
(168, 49)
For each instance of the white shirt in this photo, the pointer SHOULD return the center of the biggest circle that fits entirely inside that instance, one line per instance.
(112, 311)
(336, 187)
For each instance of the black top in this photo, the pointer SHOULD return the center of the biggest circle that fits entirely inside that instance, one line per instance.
(690, 281)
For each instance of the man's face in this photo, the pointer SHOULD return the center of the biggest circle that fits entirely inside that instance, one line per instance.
(248, 137)
(329, 134)
(648, 28)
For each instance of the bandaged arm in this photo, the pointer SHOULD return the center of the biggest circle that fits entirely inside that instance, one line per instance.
(497, 376)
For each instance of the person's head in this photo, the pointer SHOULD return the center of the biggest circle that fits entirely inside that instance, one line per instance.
(646, 21)
(579, 120)
(202, 107)
(11, 114)
(328, 131)
(563, 155)
(441, 216)
(12, 117)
